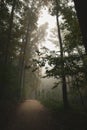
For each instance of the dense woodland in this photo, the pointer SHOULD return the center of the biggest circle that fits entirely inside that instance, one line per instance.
(20, 37)
(18, 28)
(21, 60)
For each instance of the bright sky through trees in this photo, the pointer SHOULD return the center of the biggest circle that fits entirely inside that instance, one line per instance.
(45, 17)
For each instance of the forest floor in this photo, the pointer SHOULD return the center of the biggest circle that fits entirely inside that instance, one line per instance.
(32, 115)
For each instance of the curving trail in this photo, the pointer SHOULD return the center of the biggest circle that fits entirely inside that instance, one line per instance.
(31, 115)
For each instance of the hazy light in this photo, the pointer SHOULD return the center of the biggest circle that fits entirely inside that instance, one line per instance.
(50, 45)
(45, 17)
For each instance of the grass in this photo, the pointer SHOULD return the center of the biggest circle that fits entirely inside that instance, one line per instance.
(71, 119)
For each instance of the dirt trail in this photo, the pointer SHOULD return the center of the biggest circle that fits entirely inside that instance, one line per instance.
(31, 115)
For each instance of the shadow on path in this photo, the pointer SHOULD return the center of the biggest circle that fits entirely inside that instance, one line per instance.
(31, 115)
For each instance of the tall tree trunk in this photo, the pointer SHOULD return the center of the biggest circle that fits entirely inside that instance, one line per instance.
(64, 84)
(7, 50)
(22, 69)
(81, 8)
(7, 55)
(4, 79)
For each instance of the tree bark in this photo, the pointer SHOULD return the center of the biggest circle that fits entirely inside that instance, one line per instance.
(64, 84)
(7, 55)
(4, 79)
(81, 8)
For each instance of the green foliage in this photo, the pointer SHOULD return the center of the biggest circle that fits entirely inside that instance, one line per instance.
(52, 104)
(14, 18)
(73, 60)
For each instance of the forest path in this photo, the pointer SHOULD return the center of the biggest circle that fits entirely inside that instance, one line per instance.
(31, 115)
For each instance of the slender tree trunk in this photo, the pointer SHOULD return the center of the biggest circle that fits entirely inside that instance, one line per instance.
(7, 55)
(22, 69)
(64, 85)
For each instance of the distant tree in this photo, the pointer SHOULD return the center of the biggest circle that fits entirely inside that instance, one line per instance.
(29, 47)
(10, 36)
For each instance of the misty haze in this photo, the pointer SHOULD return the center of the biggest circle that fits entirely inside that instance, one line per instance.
(43, 65)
